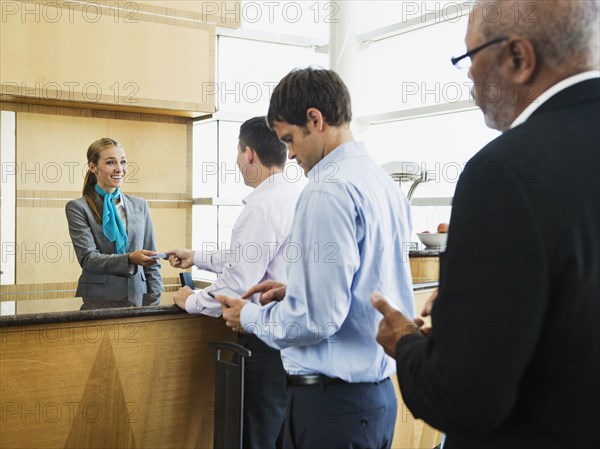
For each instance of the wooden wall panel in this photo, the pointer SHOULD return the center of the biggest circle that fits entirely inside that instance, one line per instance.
(51, 164)
(44, 250)
(170, 227)
(73, 52)
(225, 13)
(51, 152)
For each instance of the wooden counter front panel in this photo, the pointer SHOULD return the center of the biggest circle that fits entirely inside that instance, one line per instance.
(410, 432)
(135, 383)
(425, 269)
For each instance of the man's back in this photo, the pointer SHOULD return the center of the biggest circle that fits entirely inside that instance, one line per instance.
(544, 258)
(561, 383)
(353, 225)
(269, 213)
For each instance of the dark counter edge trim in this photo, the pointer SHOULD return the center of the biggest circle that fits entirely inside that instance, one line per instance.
(88, 315)
(425, 286)
(107, 314)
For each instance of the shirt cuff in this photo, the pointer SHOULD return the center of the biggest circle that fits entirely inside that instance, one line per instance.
(198, 304)
(408, 339)
(250, 317)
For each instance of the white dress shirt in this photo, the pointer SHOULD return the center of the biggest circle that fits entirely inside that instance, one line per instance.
(121, 210)
(257, 250)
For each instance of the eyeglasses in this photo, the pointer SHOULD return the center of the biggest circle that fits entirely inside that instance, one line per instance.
(464, 61)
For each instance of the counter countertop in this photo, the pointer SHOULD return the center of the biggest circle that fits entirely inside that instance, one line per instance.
(425, 253)
(67, 310)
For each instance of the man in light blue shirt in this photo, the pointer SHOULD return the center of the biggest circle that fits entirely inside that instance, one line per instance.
(349, 237)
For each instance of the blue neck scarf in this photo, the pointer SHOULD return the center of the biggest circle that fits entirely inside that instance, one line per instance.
(112, 226)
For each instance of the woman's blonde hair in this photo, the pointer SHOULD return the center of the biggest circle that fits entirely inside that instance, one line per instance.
(90, 181)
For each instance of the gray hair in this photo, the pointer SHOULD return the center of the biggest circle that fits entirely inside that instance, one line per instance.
(564, 33)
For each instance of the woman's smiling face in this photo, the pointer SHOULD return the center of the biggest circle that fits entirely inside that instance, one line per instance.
(111, 168)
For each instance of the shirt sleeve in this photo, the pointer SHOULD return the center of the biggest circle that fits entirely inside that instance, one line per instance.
(244, 263)
(201, 303)
(323, 257)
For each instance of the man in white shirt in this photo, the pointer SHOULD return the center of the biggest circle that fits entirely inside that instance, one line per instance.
(257, 253)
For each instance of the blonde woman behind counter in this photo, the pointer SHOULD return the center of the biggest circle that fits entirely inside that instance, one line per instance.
(111, 232)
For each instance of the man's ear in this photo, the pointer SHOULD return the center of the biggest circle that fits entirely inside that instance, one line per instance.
(523, 60)
(315, 119)
(250, 154)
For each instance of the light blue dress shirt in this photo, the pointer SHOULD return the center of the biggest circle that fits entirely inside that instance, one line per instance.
(350, 237)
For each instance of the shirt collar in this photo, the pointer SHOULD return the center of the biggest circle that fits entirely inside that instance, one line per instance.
(545, 96)
(269, 183)
(341, 152)
(121, 202)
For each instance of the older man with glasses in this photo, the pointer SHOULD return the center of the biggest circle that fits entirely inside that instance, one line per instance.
(513, 355)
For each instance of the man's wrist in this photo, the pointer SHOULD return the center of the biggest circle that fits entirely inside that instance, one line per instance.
(249, 317)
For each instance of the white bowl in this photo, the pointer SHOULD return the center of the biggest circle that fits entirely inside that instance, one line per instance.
(433, 240)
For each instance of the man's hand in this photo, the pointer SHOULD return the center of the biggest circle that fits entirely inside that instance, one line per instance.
(426, 312)
(181, 258)
(181, 295)
(269, 291)
(232, 309)
(394, 325)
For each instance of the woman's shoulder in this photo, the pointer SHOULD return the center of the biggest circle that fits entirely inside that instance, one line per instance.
(77, 202)
(136, 200)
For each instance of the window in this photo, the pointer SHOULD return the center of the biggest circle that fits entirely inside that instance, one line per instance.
(404, 73)
(247, 72)
(414, 69)
(441, 145)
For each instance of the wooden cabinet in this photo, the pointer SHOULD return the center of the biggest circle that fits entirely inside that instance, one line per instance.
(97, 55)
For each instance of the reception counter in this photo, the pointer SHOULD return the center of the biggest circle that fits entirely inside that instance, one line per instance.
(76, 374)
(119, 377)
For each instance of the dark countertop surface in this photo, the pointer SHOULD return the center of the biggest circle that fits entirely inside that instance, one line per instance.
(426, 252)
(66, 310)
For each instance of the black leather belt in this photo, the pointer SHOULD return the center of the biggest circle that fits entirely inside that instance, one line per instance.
(308, 380)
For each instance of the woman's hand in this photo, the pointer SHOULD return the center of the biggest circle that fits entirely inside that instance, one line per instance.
(142, 257)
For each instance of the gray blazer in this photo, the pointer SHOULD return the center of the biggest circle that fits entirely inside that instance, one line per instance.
(106, 275)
